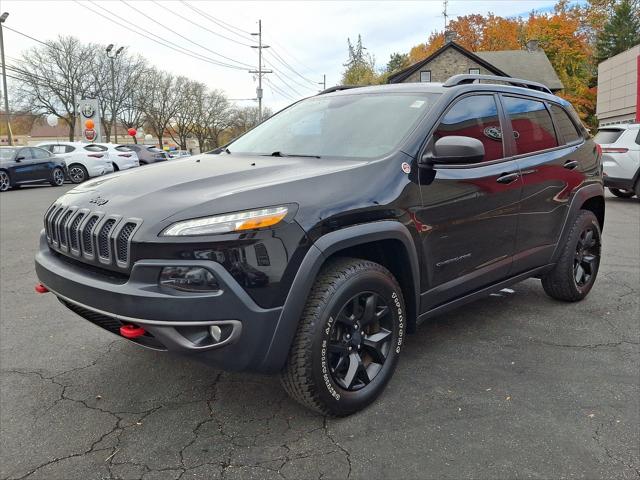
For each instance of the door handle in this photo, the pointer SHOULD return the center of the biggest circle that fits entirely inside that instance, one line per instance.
(570, 164)
(508, 177)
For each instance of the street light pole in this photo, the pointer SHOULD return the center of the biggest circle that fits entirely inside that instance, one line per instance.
(3, 17)
(323, 82)
(112, 58)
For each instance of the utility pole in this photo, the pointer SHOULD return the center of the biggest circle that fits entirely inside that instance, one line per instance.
(260, 70)
(323, 82)
(444, 13)
(3, 17)
(112, 58)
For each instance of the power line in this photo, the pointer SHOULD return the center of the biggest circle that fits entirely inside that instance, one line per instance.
(191, 22)
(293, 80)
(164, 43)
(284, 62)
(50, 45)
(279, 90)
(219, 22)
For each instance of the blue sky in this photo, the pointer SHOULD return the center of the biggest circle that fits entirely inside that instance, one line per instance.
(311, 37)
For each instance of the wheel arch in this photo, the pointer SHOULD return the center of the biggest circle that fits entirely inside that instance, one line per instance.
(589, 197)
(370, 241)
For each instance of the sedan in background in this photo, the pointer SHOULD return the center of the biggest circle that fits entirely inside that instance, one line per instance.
(149, 154)
(83, 160)
(29, 165)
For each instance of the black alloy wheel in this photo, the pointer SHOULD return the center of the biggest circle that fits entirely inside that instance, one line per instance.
(57, 177)
(360, 340)
(349, 338)
(5, 182)
(576, 269)
(587, 257)
(77, 173)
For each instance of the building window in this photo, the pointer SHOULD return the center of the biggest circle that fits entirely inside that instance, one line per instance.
(474, 71)
(425, 76)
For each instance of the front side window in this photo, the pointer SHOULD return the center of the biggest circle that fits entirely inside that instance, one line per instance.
(25, 153)
(425, 76)
(365, 125)
(475, 117)
(532, 126)
(566, 128)
(39, 153)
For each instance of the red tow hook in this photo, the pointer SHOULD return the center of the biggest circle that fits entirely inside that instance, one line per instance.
(131, 331)
(40, 288)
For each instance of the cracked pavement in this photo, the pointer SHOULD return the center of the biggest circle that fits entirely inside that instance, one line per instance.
(515, 385)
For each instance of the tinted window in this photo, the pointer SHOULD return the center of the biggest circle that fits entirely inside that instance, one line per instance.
(39, 153)
(532, 125)
(608, 135)
(48, 148)
(475, 117)
(123, 148)
(25, 153)
(566, 128)
(7, 153)
(638, 138)
(95, 148)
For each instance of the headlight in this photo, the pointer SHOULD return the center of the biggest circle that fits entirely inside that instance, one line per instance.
(232, 222)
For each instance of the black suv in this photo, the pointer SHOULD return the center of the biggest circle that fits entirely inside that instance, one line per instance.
(314, 243)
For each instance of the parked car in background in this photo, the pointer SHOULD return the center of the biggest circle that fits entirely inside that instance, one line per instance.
(621, 158)
(122, 156)
(28, 165)
(179, 154)
(83, 160)
(149, 154)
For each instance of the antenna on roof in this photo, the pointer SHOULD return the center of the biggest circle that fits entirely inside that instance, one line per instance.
(445, 3)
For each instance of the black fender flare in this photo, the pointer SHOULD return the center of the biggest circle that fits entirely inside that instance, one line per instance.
(579, 198)
(317, 254)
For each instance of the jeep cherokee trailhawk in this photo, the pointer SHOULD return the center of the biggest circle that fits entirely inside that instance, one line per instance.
(311, 245)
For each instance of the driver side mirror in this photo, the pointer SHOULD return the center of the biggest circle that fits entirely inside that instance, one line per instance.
(454, 150)
(19, 159)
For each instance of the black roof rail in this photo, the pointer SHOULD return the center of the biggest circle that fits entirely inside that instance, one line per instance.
(337, 88)
(463, 79)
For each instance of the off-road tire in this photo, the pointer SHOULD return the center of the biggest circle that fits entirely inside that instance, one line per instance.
(622, 193)
(560, 283)
(306, 376)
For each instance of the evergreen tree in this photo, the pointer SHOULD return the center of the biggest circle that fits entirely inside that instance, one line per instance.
(397, 61)
(621, 31)
(360, 67)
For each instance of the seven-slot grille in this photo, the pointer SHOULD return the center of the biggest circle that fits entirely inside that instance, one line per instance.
(90, 236)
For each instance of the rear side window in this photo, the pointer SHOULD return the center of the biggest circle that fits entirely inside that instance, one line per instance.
(566, 128)
(475, 117)
(95, 148)
(608, 135)
(532, 126)
(123, 148)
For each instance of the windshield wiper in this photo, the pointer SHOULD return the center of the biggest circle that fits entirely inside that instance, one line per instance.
(282, 154)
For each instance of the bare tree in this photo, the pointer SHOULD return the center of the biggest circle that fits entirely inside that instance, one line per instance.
(54, 76)
(162, 100)
(246, 118)
(182, 126)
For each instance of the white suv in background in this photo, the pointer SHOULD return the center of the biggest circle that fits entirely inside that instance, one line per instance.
(83, 160)
(621, 158)
(121, 156)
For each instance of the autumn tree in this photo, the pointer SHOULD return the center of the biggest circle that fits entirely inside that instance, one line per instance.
(360, 68)
(621, 31)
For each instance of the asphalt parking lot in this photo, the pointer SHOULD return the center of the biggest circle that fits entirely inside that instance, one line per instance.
(512, 386)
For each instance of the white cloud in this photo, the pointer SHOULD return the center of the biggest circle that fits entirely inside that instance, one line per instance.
(310, 36)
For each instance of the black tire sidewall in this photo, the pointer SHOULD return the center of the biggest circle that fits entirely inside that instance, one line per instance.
(622, 193)
(585, 221)
(338, 400)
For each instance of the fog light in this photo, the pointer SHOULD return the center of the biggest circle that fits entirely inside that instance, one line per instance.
(216, 332)
(188, 279)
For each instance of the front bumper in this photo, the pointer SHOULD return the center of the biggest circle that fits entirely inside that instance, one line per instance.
(174, 321)
(620, 183)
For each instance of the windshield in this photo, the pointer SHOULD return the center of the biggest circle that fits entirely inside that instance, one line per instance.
(7, 153)
(354, 125)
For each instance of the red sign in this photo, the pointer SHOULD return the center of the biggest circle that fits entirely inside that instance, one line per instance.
(90, 134)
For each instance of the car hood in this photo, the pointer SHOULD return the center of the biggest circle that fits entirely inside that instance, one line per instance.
(203, 185)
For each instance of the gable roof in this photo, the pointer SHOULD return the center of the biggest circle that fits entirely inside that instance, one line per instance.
(529, 65)
(404, 74)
